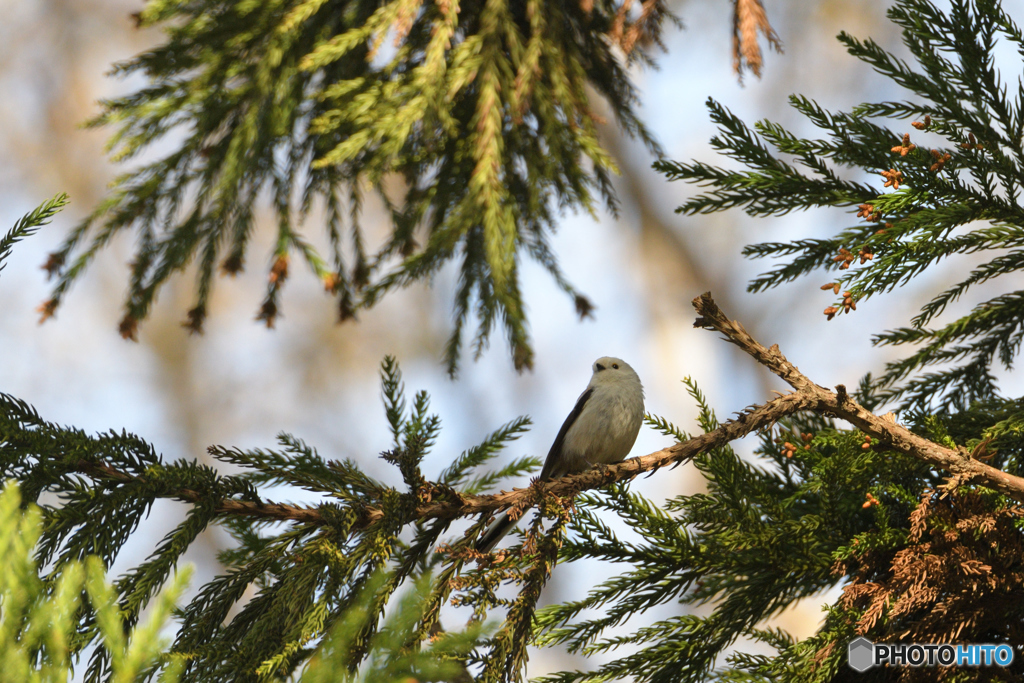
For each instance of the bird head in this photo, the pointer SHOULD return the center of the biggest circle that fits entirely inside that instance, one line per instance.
(609, 370)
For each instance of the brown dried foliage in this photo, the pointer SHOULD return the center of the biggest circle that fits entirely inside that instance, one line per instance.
(232, 265)
(959, 579)
(128, 327)
(747, 19)
(584, 307)
(194, 322)
(642, 30)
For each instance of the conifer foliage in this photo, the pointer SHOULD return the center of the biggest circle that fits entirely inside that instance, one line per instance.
(323, 574)
(29, 224)
(919, 524)
(39, 615)
(40, 635)
(472, 122)
(948, 182)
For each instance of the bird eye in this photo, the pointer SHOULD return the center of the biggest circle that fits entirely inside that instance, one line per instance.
(615, 365)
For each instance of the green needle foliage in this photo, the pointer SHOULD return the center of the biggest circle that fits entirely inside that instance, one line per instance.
(352, 587)
(29, 224)
(823, 506)
(390, 658)
(324, 571)
(39, 614)
(820, 507)
(312, 593)
(472, 122)
(955, 180)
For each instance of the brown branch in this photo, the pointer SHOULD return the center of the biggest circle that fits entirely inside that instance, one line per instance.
(960, 464)
(757, 417)
(441, 504)
(751, 420)
(227, 506)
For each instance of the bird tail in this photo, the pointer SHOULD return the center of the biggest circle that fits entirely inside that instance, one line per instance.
(490, 538)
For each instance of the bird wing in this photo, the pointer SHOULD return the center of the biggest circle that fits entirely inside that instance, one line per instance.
(503, 524)
(556, 447)
(495, 533)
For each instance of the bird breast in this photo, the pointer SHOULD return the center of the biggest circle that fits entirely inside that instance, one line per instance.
(608, 427)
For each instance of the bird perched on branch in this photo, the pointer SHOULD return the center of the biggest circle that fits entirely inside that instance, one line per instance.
(600, 430)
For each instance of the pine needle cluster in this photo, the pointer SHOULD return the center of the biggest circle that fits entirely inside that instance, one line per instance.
(474, 123)
(317, 590)
(40, 615)
(298, 580)
(950, 176)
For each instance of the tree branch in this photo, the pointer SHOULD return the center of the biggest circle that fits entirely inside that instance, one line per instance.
(959, 463)
(438, 503)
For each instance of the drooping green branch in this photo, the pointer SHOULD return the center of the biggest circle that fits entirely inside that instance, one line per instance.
(472, 123)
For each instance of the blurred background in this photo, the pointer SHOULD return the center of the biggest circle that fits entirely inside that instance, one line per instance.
(241, 384)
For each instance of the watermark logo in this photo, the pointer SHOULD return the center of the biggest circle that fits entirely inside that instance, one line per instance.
(863, 654)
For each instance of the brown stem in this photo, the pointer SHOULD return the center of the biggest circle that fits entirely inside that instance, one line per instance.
(807, 396)
(960, 464)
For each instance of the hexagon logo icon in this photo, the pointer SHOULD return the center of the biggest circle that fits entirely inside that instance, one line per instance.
(861, 654)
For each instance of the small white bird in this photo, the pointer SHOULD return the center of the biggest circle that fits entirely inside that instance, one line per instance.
(601, 429)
